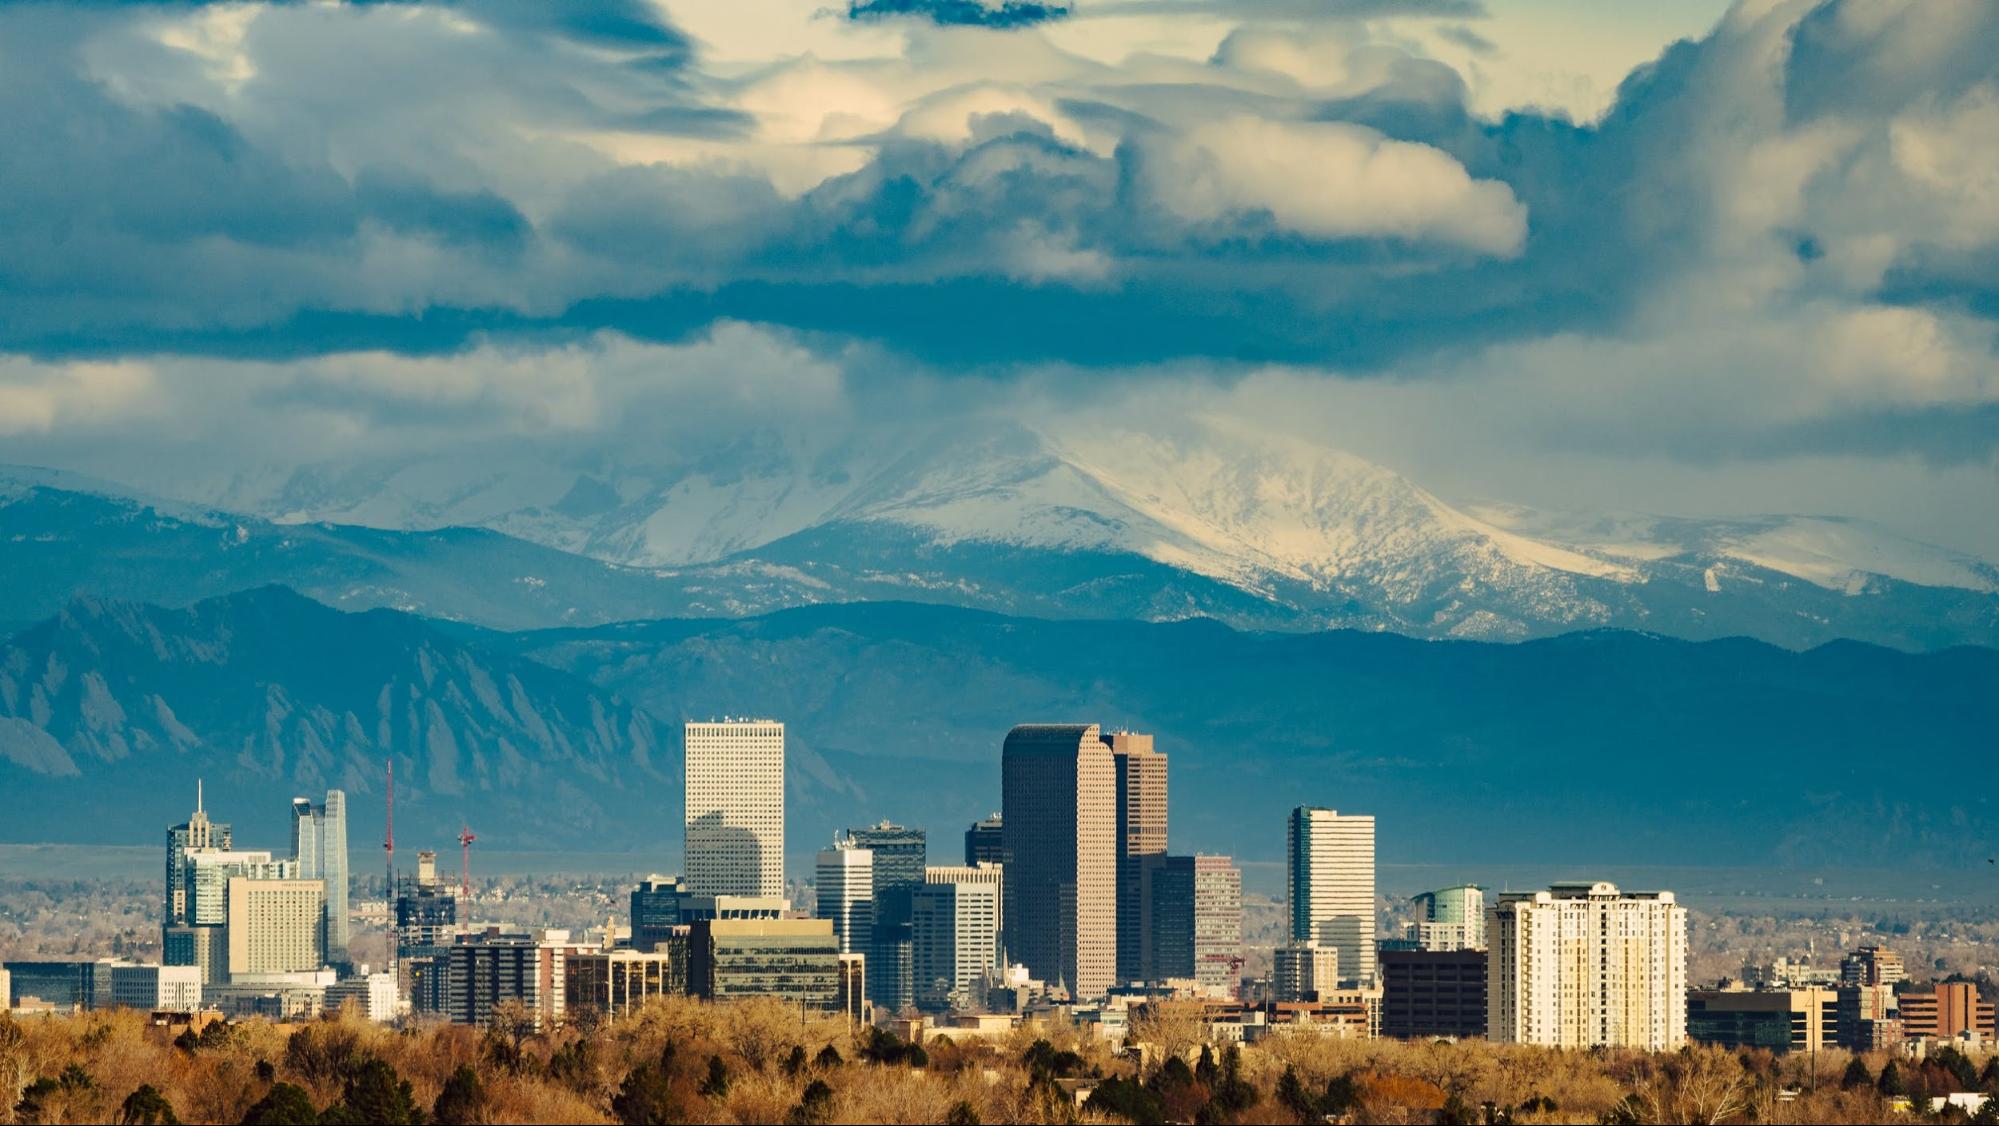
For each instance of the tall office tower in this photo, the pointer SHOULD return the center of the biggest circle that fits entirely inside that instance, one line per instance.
(1453, 919)
(1872, 965)
(955, 926)
(197, 832)
(1217, 924)
(1059, 789)
(845, 881)
(1329, 886)
(900, 854)
(1141, 832)
(276, 926)
(1581, 965)
(735, 807)
(657, 905)
(202, 937)
(985, 842)
(1165, 917)
(319, 844)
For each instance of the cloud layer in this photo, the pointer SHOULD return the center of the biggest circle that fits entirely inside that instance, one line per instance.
(443, 223)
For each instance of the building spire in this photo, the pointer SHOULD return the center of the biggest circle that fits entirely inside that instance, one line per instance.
(197, 795)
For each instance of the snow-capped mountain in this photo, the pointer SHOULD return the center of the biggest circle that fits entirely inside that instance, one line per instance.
(1215, 517)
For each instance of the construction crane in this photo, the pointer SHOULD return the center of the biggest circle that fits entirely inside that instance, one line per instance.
(465, 839)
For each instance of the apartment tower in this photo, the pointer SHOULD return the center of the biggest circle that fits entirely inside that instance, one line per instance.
(1582, 965)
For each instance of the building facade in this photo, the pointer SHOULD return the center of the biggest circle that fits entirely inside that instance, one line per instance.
(794, 960)
(657, 904)
(844, 882)
(1166, 918)
(985, 841)
(1141, 834)
(1453, 919)
(197, 832)
(276, 926)
(486, 969)
(734, 773)
(616, 982)
(1429, 994)
(156, 988)
(1581, 965)
(1780, 1020)
(319, 845)
(1059, 787)
(955, 927)
(1329, 886)
(1305, 971)
(1217, 924)
(901, 853)
(1947, 1010)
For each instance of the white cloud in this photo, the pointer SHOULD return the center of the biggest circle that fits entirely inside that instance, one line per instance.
(1333, 180)
(40, 398)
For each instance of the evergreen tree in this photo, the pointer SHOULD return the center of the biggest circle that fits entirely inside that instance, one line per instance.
(460, 1101)
(376, 1094)
(717, 1084)
(283, 1105)
(1891, 1082)
(1127, 1099)
(1857, 1075)
(147, 1107)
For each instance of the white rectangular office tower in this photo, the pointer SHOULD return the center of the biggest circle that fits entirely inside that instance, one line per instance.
(844, 879)
(1580, 965)
(1329, 886)
(735, 807)
(955, 928)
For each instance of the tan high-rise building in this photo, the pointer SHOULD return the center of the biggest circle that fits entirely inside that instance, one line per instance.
(1141, 832)
(1217, 924)
(1582, 965)
(1059, 786)
(276, 926)
(734, 773)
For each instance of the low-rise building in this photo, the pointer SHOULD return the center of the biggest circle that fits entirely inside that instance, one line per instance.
(494, 966)
(796, 960)
(1946, 1011)
(1304, 971)
(1432, 993)
(156, 988)
(615, 982)
(373, 995)
(1780, 1020)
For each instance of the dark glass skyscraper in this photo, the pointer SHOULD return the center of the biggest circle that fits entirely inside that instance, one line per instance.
(900, 854)
(319, 844)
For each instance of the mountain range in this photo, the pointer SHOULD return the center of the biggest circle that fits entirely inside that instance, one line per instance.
(1212, 519)
(1606, 746)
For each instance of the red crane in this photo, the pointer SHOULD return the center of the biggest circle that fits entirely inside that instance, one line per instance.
(465, 839)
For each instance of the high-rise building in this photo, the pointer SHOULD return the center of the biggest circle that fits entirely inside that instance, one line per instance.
(845, 884)
(276, 926)
(955, 927)
(1453, 919)
(1872, 965)
(1165, 918)
(1329, 886)
(1305, 971)
(201, 936)
(197, 832)
(735, 807)
(900, 855)
(1946, 1011)
(1059, 786)
(426, 923)
(319, 844)
(985, 841)
(1141, 833)
(657, 905)
(1582, 965)
(1432, 993)
(1217, 924)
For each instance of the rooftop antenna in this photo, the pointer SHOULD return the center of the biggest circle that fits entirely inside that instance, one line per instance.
(197, 795)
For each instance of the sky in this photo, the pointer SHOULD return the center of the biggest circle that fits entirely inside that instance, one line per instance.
(1684, 258)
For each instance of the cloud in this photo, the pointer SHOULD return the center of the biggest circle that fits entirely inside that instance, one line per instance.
(1331, 180)
(963, 13)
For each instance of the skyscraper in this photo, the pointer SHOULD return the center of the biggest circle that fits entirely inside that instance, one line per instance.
(735, 807)
(657, 903)
(1453, 919)
(900, 854)
(1329, 886)
(194, 833)
(275, 926)
(1166, 918)
(1141, 832)
(319, 844)
(1581, 965)
(955, 921)
(985, 842)
(844, 880)
(1059, 789)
